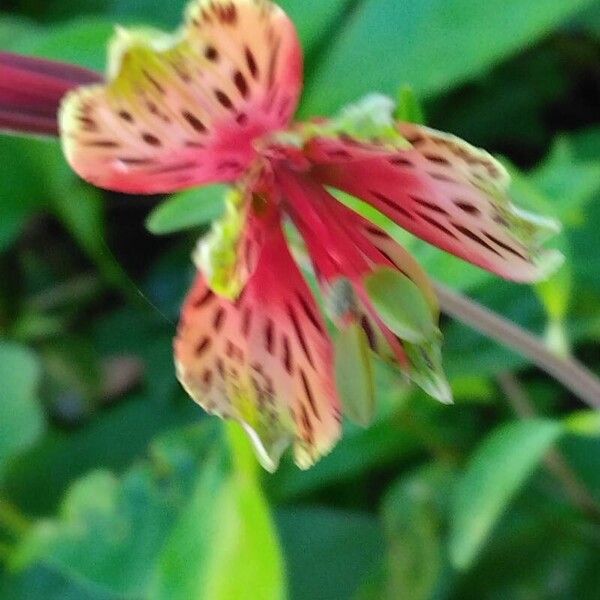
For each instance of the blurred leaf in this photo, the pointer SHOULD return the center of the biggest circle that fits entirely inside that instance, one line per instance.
(315, 20)
(21, 417)
(437, 44)
(586, 143)
(329, 552)
(409, 108)
(539, 551)
(495, 473)
(411, 514)
(81, 210)
(224, 543)
(44, 584)
(401, 305)
(12, 29)
(149, 12)
(21, 191)
(110, 531)
(354, 374)
(585, 423)
(81, 42)
(570, 182)
(187, 210)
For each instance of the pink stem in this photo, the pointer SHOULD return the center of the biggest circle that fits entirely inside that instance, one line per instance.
(31, 90)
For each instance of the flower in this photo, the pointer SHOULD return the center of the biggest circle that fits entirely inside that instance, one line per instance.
(215, 103)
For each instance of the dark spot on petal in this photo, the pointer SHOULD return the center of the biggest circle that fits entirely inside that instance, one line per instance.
(309, 395)
(151, 139)
(269, 337)
(428, 205)
(224, 99)
(194, 121)
(467, 207)
(219, 319)
(203, 345)
(241, 84)
(126, 116)
(287, 355)
(211, 53)
(206, 297)
(251, 62)
(300, 335)
(309, 312)
(473, 236)
(506, 247)
(391, 204)
(437, 225)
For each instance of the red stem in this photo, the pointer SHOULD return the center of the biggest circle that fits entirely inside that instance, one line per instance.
(31, 90)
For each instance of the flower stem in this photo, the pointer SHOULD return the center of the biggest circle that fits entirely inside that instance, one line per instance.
(556, 463)
(568, 371)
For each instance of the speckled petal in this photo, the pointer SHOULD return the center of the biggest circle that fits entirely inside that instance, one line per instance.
(445, 191)
(184, 109)
(264, 360)
(345, 248)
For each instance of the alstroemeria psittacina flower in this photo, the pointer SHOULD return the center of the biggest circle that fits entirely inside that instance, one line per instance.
(214, 103)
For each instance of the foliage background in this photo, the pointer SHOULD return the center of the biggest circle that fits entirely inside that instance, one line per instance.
(113, 484)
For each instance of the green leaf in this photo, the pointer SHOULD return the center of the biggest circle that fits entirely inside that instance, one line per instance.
(314, 19)
(21, 417)
(82, 42)
(409, 108)
(412, 518)
(110, 531)
(354, 374)
(401, 305)
(12, 29)
(584, 423)
(186, 210)
(21, 191)
(45, 584)
(432, 45)
(224, 543)
(329, 553)
(494, 475)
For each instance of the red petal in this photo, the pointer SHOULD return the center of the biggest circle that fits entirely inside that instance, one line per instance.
(264, 360)
(444, 191)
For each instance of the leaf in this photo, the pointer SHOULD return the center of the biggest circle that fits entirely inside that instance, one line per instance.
(432, 45)
(585, 423)
(187, 210)
(401, 305)
(412, 518)
(81, 42)
(329, 553)
(494, 475)
(21, 417)
(409, 108)
(44, 584)
(314, 19)
(354, 374)
(224, 543)
(21, 191)
(110, 531)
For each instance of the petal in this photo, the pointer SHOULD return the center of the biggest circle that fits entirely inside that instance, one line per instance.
(228, 255)
(446, 192)
(344, 248)
(184, 110)
(264, 360)
(31, 90)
